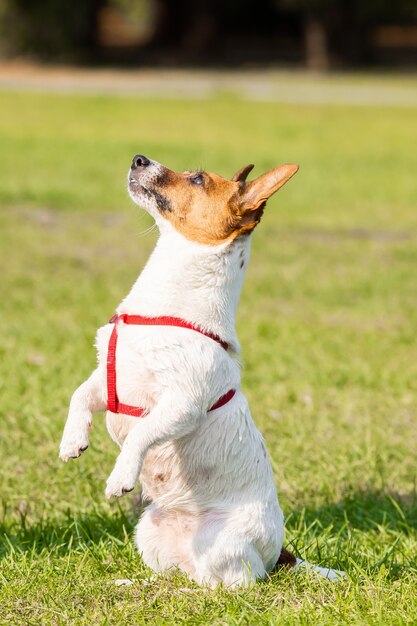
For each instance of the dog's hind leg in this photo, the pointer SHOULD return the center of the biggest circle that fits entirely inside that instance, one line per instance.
(88, 398)
(235, 563)
(168, 539)
(222, 555)
(164, 540)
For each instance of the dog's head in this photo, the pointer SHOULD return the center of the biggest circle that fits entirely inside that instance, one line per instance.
(202, 206)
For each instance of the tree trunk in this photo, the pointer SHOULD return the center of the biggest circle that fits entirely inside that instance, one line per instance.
(316, 46)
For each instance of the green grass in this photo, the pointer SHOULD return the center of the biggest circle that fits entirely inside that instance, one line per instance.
(328, 321)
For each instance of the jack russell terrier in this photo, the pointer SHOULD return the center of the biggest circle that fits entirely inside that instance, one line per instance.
(173, 397)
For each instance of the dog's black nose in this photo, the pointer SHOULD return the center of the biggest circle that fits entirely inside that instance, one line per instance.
(140, 161)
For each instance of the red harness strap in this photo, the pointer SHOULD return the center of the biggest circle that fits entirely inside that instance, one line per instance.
(113, 403)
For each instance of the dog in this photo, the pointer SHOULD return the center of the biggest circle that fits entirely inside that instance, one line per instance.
(168, 377)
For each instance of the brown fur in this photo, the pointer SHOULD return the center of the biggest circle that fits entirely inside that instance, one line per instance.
(286, 559)
(219, 209)
(242, 174)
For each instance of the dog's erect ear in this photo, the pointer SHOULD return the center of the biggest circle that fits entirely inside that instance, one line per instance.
(257, 191)
(242, 174)
(253, 195)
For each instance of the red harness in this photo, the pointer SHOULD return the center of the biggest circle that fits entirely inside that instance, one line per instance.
(113, 403)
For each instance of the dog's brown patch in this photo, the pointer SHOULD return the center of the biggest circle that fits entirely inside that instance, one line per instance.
(286, 559)
(242, 174)
(210, 209)
(207, 212)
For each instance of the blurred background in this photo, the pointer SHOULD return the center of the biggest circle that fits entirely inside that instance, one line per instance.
(317, 34)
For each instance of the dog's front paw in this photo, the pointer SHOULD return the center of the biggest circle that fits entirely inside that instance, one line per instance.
(119, 483)
(73, 445)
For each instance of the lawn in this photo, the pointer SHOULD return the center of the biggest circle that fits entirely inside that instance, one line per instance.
(327, 321)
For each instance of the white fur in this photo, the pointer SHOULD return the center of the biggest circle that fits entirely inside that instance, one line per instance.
(214, 510)
(324, 572)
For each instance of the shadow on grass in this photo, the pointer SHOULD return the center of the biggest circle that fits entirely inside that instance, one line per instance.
(364, 511)
(66, 533)
(365, 531)
(327, 529)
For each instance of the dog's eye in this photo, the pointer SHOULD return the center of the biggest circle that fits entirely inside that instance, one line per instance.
(197, 179)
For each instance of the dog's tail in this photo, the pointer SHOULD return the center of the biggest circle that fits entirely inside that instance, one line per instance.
(288, 560)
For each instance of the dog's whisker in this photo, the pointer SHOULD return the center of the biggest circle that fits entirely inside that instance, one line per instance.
(147, 231)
